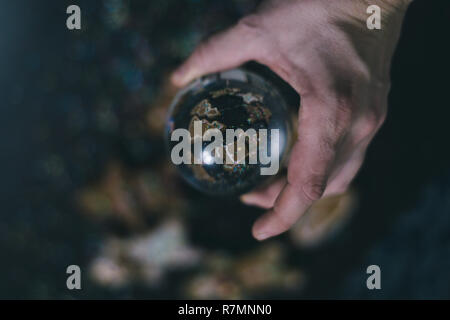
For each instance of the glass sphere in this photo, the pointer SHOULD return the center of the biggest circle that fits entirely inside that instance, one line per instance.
(233, 99)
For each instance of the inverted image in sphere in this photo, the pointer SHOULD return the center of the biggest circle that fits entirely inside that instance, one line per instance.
(234, 99)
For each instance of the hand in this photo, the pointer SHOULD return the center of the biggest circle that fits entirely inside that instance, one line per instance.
(340, 68)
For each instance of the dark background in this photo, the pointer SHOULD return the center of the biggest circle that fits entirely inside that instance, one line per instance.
(57, 87)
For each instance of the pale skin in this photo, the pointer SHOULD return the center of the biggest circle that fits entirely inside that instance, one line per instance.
(340, 68)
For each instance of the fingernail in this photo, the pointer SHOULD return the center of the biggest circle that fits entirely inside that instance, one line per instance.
(249, 198)
(177, 77)
(261, 236)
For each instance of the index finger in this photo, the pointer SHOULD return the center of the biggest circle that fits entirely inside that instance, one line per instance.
(321, 127)
(225, 50)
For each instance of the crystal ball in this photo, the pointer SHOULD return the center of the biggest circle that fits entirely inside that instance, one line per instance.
(234, 99)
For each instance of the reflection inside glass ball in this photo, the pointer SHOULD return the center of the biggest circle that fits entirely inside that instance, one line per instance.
(236, 132)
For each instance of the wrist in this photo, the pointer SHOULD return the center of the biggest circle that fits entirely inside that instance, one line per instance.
(357, 10)
(376, 46)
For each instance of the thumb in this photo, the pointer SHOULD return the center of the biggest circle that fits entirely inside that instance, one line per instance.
(223, 51)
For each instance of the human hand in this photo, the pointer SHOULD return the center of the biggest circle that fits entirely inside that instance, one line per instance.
(340, 68)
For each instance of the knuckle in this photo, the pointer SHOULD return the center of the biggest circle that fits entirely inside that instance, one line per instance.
(371, 122)
(251, 29)
(380, 118)
(250, 25)
(313, 188)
